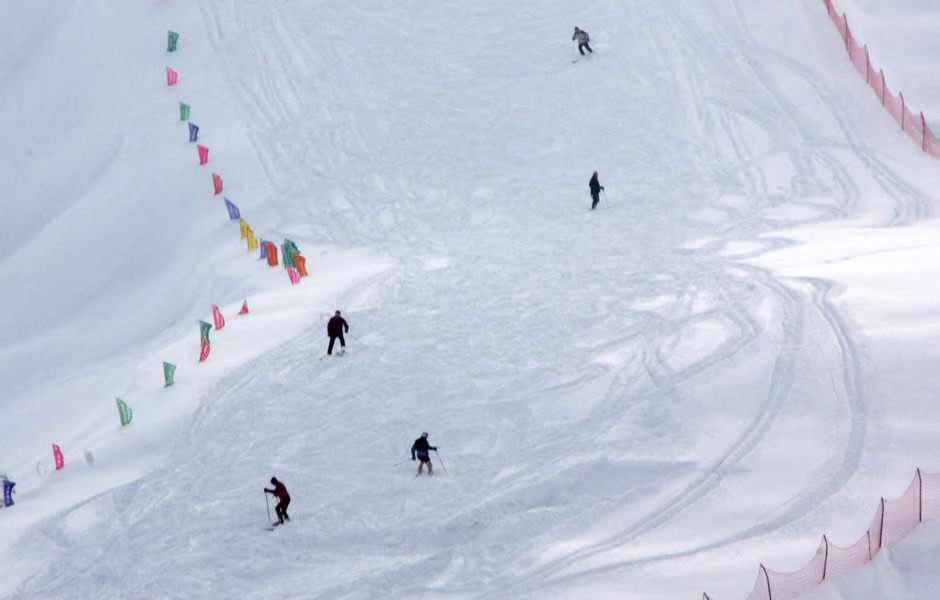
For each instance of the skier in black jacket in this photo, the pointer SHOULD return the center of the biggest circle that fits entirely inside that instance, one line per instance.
(583, 39)
(335, 329)
(420, 449)
(596, 188)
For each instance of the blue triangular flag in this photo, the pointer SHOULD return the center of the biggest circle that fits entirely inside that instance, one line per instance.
(233, 212)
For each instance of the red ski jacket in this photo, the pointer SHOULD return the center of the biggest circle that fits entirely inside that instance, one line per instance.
(279, 491)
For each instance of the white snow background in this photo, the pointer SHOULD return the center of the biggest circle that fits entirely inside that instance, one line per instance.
(734, 354)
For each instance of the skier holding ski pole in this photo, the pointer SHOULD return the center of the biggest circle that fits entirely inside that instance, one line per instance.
(419, 451)
(279, 492)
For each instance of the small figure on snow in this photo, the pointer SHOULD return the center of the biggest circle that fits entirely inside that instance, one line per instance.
(335, 328)
(596, 188)
(8, 491)
(283, 500)
(583, 41)
(420, 449)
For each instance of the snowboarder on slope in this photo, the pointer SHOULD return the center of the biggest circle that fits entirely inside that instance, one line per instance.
(283, 500)
(583, 40)
(334, 329)
(596, 188)
(420, 449)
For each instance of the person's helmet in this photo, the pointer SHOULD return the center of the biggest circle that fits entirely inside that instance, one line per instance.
(424, 434)
(337, 313)
(273, 480)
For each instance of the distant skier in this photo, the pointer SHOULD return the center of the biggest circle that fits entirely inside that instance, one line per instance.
(8, 492)
(335, 328)
(596, 188)
(583, 41)
(283, 500)
(420, 450)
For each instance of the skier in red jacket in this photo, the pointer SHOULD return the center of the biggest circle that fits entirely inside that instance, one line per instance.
(283, 500)
(335, 329)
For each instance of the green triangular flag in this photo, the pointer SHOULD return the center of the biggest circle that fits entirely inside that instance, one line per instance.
(184, 111)
(289, 250)
(169, 370)
(172, 38)
(204, 329)
(127, 415)
(285, 254)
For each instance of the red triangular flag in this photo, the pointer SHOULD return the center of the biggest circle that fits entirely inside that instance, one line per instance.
(57, 456)
(204, 351)
(217, 317)
(244, 310)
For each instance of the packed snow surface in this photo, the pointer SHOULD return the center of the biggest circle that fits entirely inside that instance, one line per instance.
(733, 354)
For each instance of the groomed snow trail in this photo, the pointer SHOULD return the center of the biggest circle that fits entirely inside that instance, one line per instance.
(624, 403)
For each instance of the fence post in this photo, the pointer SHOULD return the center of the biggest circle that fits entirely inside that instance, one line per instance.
(770, 595)
(848, 34)
(923, 125)
(868, 535)
(867, 65)
(903, 110)
(881, 526)
(920, 497)
(825, 558)
(884, 87)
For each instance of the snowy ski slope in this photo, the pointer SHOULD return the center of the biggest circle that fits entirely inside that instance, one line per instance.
(732, 355)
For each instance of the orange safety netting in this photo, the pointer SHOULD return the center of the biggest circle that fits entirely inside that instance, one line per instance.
(893, 521)
(913, 124)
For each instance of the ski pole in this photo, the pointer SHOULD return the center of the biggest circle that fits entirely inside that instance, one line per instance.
(401, 462)
(267, 505)
(442, 461)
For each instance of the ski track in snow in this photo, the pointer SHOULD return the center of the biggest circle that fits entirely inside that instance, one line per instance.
(581, 391)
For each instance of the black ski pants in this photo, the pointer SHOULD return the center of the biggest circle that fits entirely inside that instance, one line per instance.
(596, 197)
(342, 342)
(581, 48)
(281, 510)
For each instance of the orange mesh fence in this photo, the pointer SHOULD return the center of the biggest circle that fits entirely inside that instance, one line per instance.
(761, 589)
(913, 124)
(791, 585)
(930, 489)
(841, 560)
(893, 521)
(902, 514)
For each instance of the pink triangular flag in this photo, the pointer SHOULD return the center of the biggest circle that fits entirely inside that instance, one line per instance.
(217, 319)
